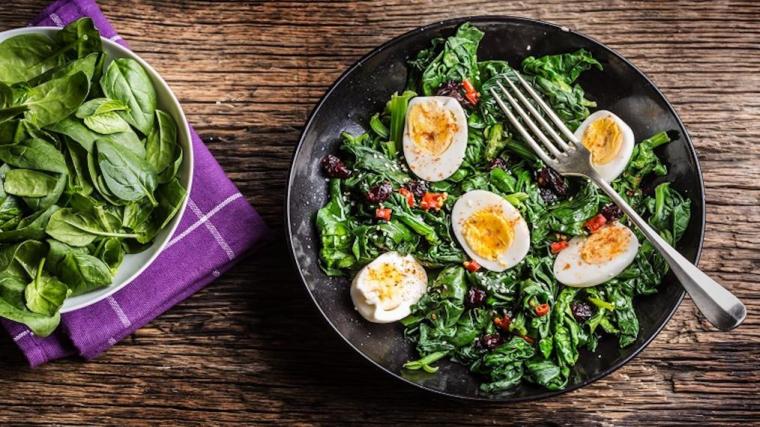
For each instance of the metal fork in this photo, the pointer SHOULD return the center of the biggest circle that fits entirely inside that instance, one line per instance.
(561, 150)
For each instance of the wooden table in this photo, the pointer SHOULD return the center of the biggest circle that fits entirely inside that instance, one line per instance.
(250, 348)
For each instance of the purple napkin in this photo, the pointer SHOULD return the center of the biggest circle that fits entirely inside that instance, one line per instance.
(217, 228)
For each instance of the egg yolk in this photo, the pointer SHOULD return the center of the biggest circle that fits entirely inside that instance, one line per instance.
(604, 139)
(488, 233)
(432, 127)
(385, 281)
(604, 245)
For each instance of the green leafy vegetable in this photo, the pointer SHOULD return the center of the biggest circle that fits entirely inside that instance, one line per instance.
(456, 61)
(100, 116)
(335, 233)
(397, 107)
(45, 294)
(555, 76)
(126, 80)
(490, 321)
(81, 271)
(28, 183)
(88, 170)
(78, 229)
(55, 100)
(128, 176)
(25, 56)
(162, 143)
(34, 154)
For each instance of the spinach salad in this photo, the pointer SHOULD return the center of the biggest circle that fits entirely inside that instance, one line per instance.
(520, 323)
(88, 170)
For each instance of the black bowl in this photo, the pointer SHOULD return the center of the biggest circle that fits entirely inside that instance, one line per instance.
(365, 87)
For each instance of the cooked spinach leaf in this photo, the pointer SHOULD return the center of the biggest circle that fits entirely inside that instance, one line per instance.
(456, 61)
(486, 320)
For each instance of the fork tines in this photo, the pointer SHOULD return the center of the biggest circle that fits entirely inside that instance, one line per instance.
(557, 146)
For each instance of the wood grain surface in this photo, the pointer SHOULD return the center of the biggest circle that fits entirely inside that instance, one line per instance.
(251, 349)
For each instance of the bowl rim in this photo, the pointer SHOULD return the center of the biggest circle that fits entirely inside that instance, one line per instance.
(184, 128)
(482, 19)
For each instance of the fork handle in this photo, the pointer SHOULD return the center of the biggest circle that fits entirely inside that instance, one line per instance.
(717, 304)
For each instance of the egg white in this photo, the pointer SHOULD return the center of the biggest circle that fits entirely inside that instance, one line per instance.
(611, 170)
(427, 165)
(404, 293)
(476, 200)
(572, 270)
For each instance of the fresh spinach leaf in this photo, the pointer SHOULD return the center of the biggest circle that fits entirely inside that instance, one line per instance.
(29, 183)
(29, 228)
(173, 170)
(50, 199)
(79, 38)
(81, 134)
(8, 109)
(55, 100)
(170, 197)
(78, 229)
(86, 65)
(111, 251)
(161, 143)
(25, 56)
(100, 116)
(126, 80)
(76, 164)
(35, 154)
(80, 271)
(127, 176)
(45, 294)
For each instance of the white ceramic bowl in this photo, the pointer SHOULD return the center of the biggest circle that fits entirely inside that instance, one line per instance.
(134, 264)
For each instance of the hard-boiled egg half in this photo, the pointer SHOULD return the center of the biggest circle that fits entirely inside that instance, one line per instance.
(490, 230)
(610, 141)
(386, 288)
(591, 260)
(435, 136)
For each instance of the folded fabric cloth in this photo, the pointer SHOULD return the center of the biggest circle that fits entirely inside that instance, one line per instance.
(217, 228)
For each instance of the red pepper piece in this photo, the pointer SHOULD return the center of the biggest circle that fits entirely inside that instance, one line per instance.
(557, 247)
(408, 195)
(470, 93)
(595, 223)
(433, 201)
(503, 322)
(471, 266)
(542, 310)
(383, 214)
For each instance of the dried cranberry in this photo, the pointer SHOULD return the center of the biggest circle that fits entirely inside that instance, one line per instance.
(550, 179)
(548, 196)
(455, 90)
(491, 341)
(380, 192)
(582, 310)
(417, 187)
(611, 211)
(475, 297)
(497, 163)
(334, 167)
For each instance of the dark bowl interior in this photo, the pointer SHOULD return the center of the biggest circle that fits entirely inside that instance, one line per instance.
(364, 89)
